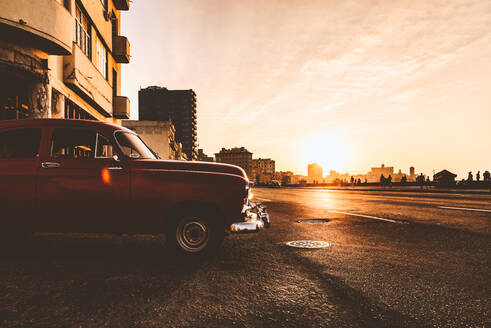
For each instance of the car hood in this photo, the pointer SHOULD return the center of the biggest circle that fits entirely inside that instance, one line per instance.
(190, 166)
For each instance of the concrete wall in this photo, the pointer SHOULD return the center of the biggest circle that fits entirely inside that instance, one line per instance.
(81, 72)
(156, 134)
(47, 19)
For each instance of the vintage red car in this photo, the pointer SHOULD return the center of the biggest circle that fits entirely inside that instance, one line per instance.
(88, 176)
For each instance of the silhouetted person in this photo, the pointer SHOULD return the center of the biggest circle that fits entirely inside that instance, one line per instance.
(428, 183)
(469, 177)
(421, 180)
(366, 181)
(486, 175)
(478, 175)
(382, 180)
(352, 180)
(403, 180)
(389, 180)
(359, 181)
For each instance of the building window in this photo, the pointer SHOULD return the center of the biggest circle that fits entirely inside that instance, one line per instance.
(82, 32)
(101, 58)
(72, 111)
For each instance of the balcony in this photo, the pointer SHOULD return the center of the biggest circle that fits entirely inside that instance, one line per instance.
(81, 75)
(122, 4)
(121, 49)
(121, 107)
(43, 24)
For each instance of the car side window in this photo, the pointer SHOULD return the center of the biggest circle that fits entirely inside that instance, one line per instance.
(104, 148)
(73, 144)
(22, 143)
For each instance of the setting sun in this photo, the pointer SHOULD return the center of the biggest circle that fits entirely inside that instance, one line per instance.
(330, 149)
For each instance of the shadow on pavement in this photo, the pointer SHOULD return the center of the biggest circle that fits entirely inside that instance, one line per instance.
(139, 249)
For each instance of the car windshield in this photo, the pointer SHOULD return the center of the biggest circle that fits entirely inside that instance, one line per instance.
(133, 146)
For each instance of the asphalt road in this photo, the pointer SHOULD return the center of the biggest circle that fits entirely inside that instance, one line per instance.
(394, 260)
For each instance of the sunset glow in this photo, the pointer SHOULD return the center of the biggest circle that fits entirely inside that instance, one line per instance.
(399, 82)
(330, 149)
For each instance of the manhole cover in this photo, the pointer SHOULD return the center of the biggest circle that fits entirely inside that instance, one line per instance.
(313, 220)
(308, 244)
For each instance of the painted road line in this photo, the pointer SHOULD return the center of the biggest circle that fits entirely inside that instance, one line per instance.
(464, 209)
(262, 199)
(370, 217)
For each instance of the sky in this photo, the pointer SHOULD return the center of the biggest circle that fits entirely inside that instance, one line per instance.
(347, 84)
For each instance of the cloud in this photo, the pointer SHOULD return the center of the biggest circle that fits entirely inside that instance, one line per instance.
(272, 70)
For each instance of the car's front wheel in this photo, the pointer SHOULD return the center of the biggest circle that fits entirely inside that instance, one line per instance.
(195, 233)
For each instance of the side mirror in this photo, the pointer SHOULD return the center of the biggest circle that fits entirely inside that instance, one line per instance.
(116, 158)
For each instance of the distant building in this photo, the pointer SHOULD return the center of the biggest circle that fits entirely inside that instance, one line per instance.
(236, 156)
(285, 178)
(158, 135)
(412, 174)
(444, 179)
(299, 179)
(62, 59)
(265, 165)
(315, 173)
(376, 172)
(159, 104)
(203, 157)
(263, 170)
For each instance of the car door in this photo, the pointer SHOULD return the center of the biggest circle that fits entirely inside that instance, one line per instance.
(19, 163)
(80, 186)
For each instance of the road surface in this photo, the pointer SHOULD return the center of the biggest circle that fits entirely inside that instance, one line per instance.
(395, 260)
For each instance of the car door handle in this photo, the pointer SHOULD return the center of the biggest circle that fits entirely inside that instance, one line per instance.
(49, 165)
(114, 168)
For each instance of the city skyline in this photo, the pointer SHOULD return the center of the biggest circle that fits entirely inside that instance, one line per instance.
(348, 85)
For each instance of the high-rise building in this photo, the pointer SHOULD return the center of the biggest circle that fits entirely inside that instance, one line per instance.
(62, 59)
(236, 156)
(315, 173)
(159, 104)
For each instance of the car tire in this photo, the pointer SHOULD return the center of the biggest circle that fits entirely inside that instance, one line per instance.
(195, 233)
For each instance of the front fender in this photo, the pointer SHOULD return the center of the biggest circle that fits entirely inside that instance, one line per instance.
(158, 191)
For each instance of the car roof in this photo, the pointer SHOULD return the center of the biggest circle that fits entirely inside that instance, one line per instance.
(61, 123)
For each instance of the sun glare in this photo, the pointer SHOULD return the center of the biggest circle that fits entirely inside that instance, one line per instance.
(329, 149)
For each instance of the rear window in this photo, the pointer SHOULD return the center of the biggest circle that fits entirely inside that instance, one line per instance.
(23, 143)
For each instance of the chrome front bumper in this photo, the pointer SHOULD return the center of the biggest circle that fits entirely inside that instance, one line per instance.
(255, 219)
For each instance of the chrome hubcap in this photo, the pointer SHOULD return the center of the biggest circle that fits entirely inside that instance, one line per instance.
(192, 234)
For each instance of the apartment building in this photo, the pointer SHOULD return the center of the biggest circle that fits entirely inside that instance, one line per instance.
(265, 165)
(62, 59)
(159, 104)
(236, 156)
(263, 170)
